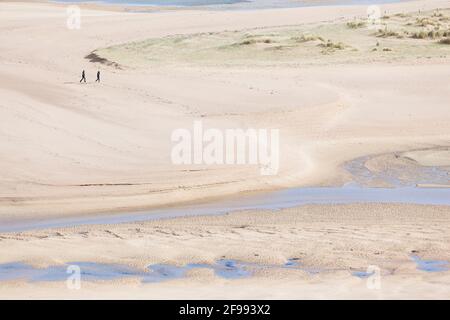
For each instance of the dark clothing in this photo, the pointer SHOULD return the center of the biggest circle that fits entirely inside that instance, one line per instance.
(83, 76)
(98, 76)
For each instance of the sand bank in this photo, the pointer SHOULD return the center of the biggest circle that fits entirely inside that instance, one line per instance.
(69, 149)
(332, 247)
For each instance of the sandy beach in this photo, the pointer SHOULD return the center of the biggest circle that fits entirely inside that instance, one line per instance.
(336, 89)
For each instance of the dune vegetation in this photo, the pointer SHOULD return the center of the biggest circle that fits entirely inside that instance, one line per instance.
(399, 36)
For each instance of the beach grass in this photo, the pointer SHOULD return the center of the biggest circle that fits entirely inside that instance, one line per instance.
(350, 41)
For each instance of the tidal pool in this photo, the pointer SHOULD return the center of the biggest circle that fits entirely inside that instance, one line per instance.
(90, 271)
(431, 265)
(362, 274)
(268, 201)
(223, 268)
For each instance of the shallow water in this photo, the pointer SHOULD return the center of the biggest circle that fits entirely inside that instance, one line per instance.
(90, 271)
(232, 269)
(16, 270)
(396, 176)
(269, 201)
(362, 274)
(234, 4)
(431, 265)
(403, 191)
(223, 268)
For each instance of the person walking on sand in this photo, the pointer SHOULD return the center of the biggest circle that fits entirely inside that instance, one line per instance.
(98, 76)
(83, 77)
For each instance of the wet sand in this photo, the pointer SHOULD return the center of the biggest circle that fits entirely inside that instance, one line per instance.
(413, 177)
